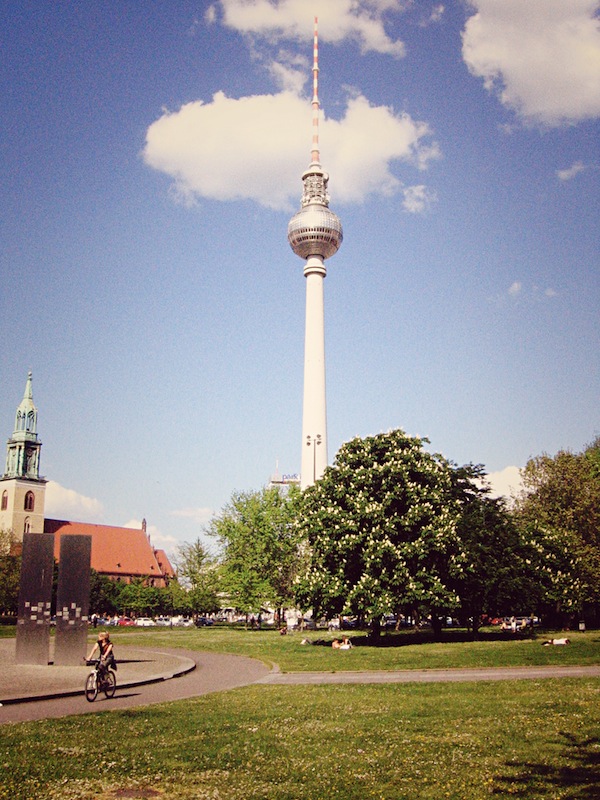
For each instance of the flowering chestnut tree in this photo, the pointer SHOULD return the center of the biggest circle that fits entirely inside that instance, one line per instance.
(381, 531)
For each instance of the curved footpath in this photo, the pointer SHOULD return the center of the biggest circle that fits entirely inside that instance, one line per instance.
(145, 676)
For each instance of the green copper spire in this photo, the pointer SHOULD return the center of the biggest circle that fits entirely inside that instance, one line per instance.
(26, 416)
(23, 449)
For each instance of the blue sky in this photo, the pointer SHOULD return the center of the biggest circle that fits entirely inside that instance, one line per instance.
(151, 159)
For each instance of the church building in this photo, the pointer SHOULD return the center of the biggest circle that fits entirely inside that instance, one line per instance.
(122, 554)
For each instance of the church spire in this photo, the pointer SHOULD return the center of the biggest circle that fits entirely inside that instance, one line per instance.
(22, 490)
(26, 416)
(23, 450)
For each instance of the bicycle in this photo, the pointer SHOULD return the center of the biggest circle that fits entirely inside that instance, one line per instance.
(100, 679)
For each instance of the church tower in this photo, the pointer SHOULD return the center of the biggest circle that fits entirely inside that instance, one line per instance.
(314, 233)
(22, 491)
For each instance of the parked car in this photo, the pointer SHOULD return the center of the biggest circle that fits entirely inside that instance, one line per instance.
(203, 622)
(182, 622)
(145, 622)
(164, 621)
(125, 621)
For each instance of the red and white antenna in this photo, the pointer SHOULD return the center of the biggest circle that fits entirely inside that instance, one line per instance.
(315, 156)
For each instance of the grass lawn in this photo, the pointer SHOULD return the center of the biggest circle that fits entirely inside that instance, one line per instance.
(537, 740)
(404, 650)
(526, 739)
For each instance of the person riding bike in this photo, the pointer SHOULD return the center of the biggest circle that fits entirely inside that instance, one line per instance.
(105, 648)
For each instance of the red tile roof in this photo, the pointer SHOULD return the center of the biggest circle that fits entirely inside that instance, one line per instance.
(164, 563)
(119, 552)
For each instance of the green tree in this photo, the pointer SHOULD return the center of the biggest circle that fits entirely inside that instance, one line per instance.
(139, 599)
(175, 599)
(559, 513)
(492, 573)
(259, 548)
(381, 528)
(104, 594)
(10, 573)
(198, 571)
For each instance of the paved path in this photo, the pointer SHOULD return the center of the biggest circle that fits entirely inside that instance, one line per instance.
(144, 676)
(430, 675)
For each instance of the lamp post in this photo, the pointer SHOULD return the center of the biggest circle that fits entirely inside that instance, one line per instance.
(314, 441)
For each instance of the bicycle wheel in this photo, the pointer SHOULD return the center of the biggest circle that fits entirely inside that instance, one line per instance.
(110, 683)
(91, 687)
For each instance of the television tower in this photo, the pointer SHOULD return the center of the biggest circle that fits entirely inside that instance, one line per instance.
(314, 233)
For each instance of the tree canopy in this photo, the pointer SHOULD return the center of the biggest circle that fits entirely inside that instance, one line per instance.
(559, 512)
(259, 548)
(10, 572)
(381, 528)
(495, 574)
(198, 572)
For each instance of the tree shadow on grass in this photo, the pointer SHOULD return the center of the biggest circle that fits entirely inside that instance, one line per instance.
(579, 773)
(426, 636)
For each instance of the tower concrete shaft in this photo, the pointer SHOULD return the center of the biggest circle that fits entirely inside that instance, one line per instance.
(314, 408)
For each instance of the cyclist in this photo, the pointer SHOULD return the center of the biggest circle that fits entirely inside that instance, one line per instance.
(105, 648)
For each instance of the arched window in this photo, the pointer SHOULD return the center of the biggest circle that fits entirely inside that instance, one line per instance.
(29, 501)
(27, 526)
(4, 500)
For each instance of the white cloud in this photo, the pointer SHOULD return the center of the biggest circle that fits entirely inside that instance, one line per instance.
(198, 515)
(417, 198)
(251, 148)
(571, 172)
(64, 503)
(290, 72)
(339, 20)
(211, 15)
(530, 293)
(505, 483)
(523, 296)
(437, 12)
(541, 56)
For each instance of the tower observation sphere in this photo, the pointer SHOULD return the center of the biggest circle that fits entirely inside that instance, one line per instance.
(315, 234)
(315, 230)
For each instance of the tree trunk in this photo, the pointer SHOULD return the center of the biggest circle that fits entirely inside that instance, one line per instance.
(375, 632)
(436, 624)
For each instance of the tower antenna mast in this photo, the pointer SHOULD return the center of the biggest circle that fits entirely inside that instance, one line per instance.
(315, 155)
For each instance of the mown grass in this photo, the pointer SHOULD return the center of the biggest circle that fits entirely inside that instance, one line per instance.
(404, 650)
(530, 739)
